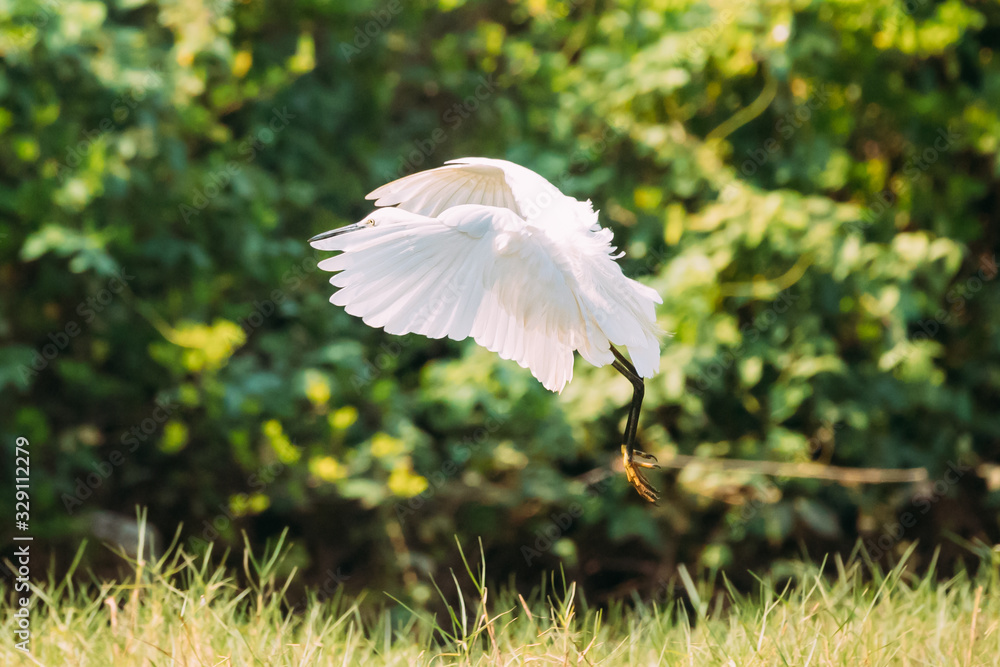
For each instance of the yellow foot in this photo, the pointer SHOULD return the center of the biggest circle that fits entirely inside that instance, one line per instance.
(635, 477)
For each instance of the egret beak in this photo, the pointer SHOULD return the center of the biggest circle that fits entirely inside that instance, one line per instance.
(337, 232)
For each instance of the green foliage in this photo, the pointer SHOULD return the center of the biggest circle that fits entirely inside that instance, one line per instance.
(810, 186)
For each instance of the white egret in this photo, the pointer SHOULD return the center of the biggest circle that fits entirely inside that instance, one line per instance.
(489, 249)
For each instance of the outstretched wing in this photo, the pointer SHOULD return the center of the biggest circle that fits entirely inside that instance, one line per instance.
(473, 270)
(435, 190)
(477, 180)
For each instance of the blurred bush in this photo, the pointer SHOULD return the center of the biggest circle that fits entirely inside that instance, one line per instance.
(812, 187)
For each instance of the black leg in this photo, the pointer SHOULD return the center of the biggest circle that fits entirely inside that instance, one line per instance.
(624, 362)
(625, 367)
(638, 392)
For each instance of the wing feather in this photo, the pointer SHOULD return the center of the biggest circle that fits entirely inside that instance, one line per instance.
(487, 321)
(472, 180)
(383, 286)
(427, 310)
(456, 195)
(435, 190)
(484, 272)
(409, 309)
(457, 321)
(453, 318)
(413, 307)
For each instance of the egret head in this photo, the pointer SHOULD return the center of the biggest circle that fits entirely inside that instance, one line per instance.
(386, 215)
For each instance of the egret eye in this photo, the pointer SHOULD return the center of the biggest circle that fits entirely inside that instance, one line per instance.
(370, 222)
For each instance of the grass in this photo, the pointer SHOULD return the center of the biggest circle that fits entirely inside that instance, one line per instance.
(183, 610)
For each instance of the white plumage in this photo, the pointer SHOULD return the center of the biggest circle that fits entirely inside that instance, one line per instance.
(489, 249)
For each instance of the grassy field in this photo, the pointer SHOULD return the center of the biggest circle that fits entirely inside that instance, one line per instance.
(182, 610)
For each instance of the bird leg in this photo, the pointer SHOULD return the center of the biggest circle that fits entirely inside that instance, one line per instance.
(629, 452)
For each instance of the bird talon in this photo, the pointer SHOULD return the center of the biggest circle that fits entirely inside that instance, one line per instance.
(636, 478)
